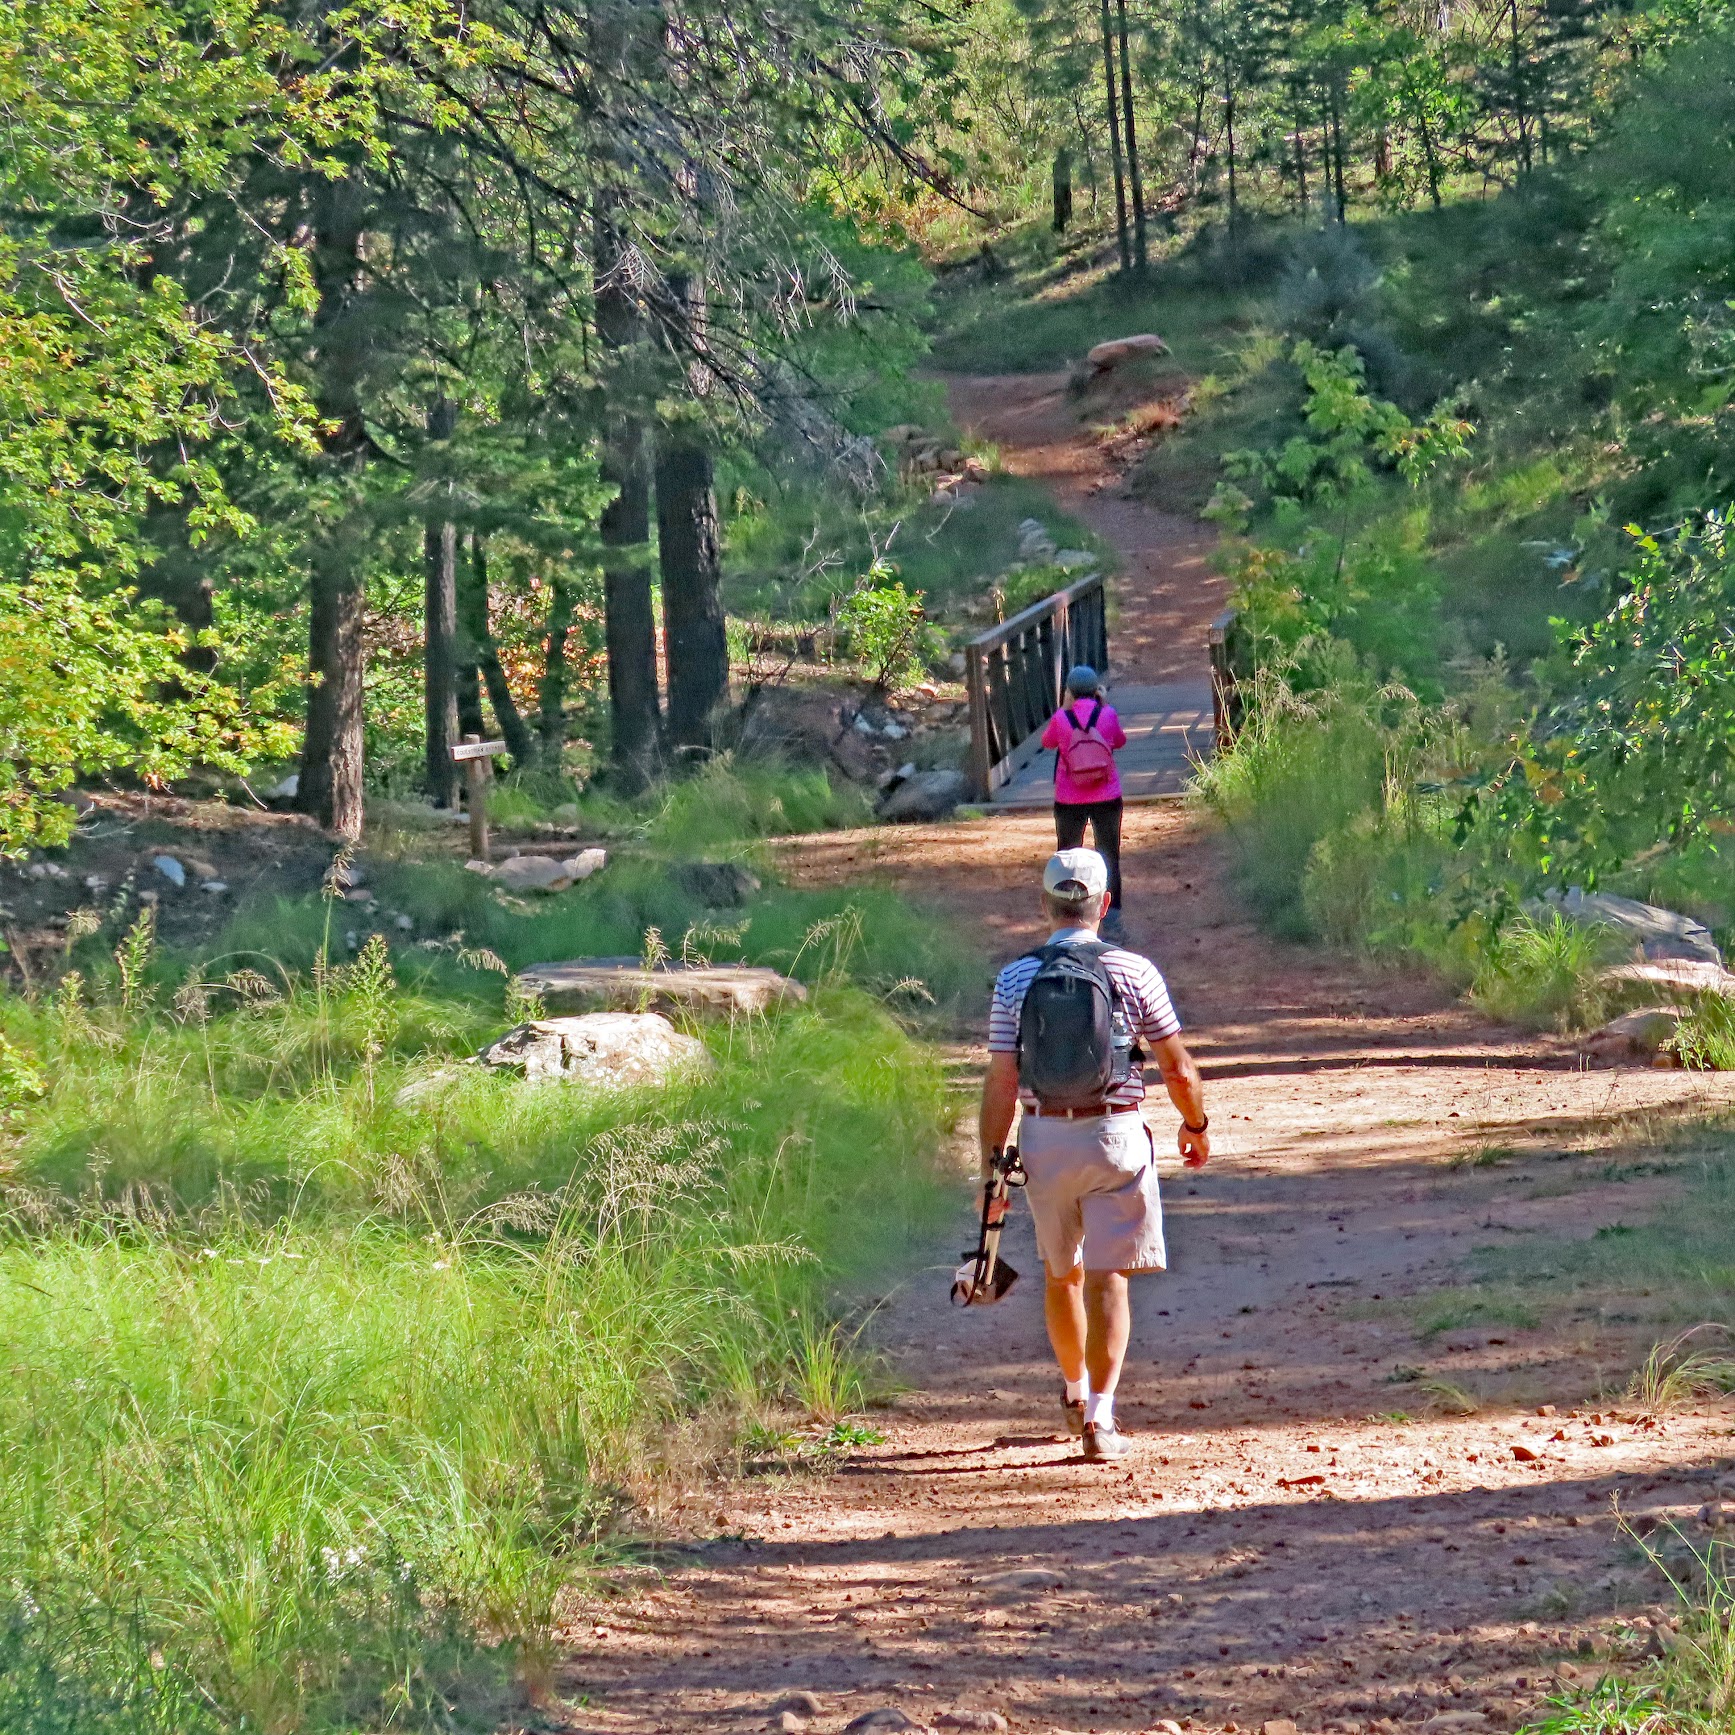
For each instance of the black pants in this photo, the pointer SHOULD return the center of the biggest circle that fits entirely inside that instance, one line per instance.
(1104, 820)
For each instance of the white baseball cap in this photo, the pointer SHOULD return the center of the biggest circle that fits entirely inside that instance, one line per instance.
(1075, 874)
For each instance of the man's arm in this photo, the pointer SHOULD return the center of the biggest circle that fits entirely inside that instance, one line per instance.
(999, 1104)
(1187, 1092)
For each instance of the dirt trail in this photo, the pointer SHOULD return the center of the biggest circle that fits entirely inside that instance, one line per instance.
(1283, 1543)
(1166, 588)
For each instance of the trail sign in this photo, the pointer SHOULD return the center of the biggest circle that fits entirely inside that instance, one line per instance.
(474, 755)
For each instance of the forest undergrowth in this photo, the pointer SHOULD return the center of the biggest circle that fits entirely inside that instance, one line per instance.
(335, 1361)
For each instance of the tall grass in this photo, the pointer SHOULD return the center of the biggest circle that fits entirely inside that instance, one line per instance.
(320, 1390)
(1544, 971)
(1300, 769)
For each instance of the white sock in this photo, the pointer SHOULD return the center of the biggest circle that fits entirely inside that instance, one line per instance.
(1077, 1391)
(1099, 1410)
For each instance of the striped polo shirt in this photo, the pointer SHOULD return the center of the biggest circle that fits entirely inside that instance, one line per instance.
(1144, 997)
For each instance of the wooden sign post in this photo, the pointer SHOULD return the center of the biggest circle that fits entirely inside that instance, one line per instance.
(474, 754)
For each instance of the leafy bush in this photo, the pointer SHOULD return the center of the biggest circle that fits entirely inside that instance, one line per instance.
(881, 627)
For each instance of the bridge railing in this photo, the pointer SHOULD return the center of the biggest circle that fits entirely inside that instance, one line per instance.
(1230, 660)
(1015, 673)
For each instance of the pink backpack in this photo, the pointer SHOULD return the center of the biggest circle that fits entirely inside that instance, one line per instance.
(1089, 760)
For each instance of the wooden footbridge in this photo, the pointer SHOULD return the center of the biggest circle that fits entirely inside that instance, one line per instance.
(1016, 672)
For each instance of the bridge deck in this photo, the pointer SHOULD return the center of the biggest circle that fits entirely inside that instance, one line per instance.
(1168, 727)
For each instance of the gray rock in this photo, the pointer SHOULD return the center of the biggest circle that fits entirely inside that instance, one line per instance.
(1656, 935)
(787, 1723)
(544, 873)
(1639, 1035)
(1103, 357)
(352, 876)
(957, 662)
(1075, 560)
(718, 885)
(862, 726)
(1022, 1581)
(989, 1721)
(882, 1720)
(215, 887)
(1669, 979)
(287, 790)
(894, 731)
(801, 1702)
(612, 1049)
(170, 869)
(597, 984)
(404, 924)
(926, 795)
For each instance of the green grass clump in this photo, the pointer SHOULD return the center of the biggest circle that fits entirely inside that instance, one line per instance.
(1298, 770)
(1543, 971)
(331, 1361)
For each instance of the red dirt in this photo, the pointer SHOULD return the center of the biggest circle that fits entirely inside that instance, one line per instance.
(1283, 1543)
(1166, 589)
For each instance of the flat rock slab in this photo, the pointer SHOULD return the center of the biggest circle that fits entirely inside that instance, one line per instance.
(625, 985)
(1656, 935)
(622, 1050)
(1670, 979)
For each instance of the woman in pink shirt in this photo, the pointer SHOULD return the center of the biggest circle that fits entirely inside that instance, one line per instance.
(1085, 734)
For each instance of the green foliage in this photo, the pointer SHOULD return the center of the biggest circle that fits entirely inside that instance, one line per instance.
(1638, 749)
(1299, 768)
(1345, 426)
(334, 1360)
(882, 628)
(1543, 972)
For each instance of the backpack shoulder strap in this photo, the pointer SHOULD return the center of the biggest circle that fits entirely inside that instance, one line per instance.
(1095, 714)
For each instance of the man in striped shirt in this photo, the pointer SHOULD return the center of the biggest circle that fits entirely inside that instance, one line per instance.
(1092, 1167)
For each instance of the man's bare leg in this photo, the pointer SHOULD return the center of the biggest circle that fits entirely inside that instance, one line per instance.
(1108, 1324)
(1063, 1306)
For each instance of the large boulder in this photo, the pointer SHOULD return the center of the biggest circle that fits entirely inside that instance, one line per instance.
(614, 1049)
(927, 795)
(1642, 1036)
(624, 984)
(1104, 357)
(543, 873)
(1654, 934)
(1669, 979)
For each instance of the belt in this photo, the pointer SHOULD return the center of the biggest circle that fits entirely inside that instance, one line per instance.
(1095, 1112)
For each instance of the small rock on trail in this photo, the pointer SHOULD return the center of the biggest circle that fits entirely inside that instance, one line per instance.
(882, 1720)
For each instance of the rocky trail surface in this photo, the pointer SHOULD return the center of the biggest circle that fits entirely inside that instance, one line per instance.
(1300, 1538)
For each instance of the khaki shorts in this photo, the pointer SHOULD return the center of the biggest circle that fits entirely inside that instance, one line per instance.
(1093, 1192)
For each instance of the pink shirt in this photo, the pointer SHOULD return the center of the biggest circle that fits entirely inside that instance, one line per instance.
(1059, 732)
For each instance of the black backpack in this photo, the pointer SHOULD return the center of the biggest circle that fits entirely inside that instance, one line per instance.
(1075, 1047)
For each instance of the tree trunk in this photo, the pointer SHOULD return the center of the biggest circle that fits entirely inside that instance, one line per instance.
(1141, 252)
(331, 754)
(551, 696)
(440, 634)
(1114, 135)
(506, 713)
(1300, 161)
(1229, 136)
(692, 569)
(1337, 152)
(630, 632)
(1432, 158)
(332, 751)
(1062, 190)
(1520, 101)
